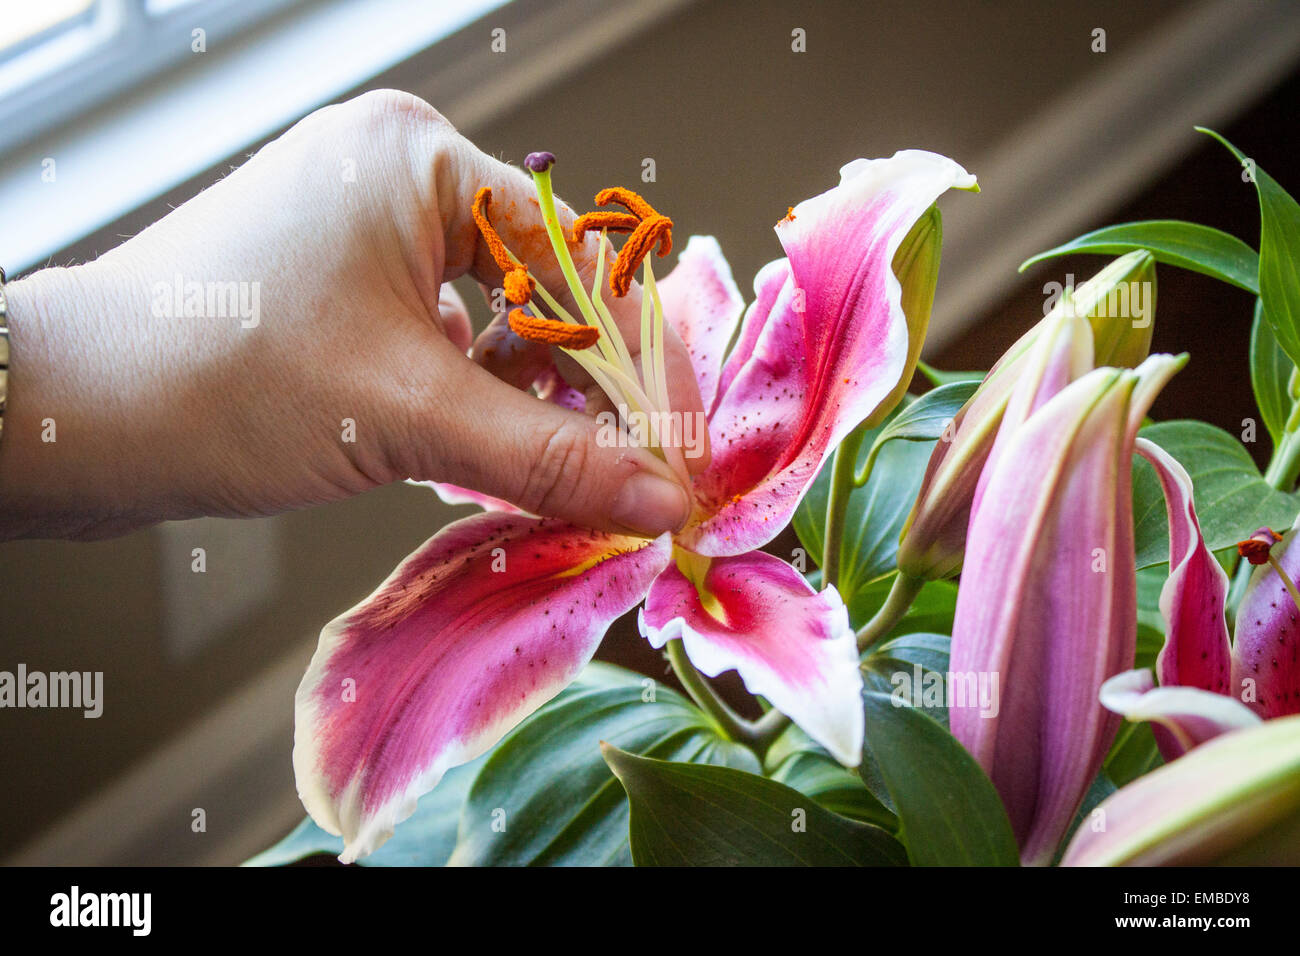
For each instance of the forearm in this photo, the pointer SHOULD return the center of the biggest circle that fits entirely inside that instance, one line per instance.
(63, 450)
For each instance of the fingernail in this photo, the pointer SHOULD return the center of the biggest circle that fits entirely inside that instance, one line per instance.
(650, 505)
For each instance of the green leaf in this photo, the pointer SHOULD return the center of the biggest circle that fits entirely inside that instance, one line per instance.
(1183, 244)
(816, 774)
(1133, 753)
(1150, 622)
(696, 815)
(876, 512)
(1232, 498)
(940, 377)
(1270, 376)
(914, 665)
(547, 784)
(948, 811)
(931, 611)
(1279, 254)
(926, 418)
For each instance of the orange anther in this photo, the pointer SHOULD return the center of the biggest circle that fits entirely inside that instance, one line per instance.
(604, 219)
(657, 229)
(1256, 548)
(517, 284)
(625, 197)
(646, 226)
(552, 331)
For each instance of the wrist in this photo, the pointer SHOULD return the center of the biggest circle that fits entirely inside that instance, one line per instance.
(56, 451)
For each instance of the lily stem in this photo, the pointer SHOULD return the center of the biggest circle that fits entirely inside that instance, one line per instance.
(1284, 468)
(837, 506)
(900, 598)
(706, 698)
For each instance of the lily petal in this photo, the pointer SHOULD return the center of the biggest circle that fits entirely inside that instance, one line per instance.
(756, 614)
(833, 348)
(703, 304)
(769, 283)
(1197, 651)
(1235, 800)
(487, 621)
(1185, 717)
(1266, 655)
(551, 387)
(456, 495)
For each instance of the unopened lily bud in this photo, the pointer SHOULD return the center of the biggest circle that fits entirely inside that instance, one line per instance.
(1119, 303)
(1234, 801)
(1106, 321)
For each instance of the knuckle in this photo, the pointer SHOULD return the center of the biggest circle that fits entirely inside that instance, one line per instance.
(394, 116)
(555, 475)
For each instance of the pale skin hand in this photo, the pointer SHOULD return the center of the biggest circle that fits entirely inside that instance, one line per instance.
(161, 418)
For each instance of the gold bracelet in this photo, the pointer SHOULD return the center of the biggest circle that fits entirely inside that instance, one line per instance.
(4, 349)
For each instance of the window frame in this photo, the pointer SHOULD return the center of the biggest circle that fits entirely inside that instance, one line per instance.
(116, 46)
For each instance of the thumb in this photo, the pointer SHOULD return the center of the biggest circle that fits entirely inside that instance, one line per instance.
(549, 460)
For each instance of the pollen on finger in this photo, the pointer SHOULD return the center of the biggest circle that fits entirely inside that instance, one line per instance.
(567, 335)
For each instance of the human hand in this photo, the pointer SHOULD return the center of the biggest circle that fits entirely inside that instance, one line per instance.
(344, 318)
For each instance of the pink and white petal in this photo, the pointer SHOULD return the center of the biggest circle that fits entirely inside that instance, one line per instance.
(1266, 654)
(456, 495)
(1197, 651)
(1184, 717)
(487, 621)
(702, 303)
(790, 644)
(768, 283)
(832, 349)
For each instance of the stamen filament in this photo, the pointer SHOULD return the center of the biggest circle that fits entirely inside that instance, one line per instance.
(624, 356)
(661, 379)
(647, 346)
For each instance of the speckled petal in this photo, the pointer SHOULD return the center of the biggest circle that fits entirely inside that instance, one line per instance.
(831, 349)
(488, 620)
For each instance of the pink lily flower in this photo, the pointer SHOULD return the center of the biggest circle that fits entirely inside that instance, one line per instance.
(1226, 715)
(497, 612)
(1209, 685)
(1048, 600)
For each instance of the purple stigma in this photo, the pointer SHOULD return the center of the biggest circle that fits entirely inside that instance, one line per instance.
(539, 162)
